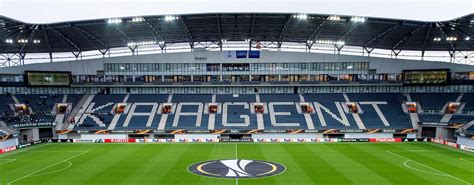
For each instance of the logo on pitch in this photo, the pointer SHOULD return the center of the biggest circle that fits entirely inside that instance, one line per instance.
(237, 168)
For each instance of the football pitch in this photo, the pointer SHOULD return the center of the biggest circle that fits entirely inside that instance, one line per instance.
(304, 163)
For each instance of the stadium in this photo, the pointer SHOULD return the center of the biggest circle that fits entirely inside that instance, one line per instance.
(237, 98)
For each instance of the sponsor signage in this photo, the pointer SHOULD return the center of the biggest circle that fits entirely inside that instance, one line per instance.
(444, 142)
(60, 140)
(434, 123)
(451, 144)
(333, 131)
(467, 148)
(29, 144)
(254, 54)
(241, 54)
(385, 139)
(119, 140)
(84, 140)
(351, 131)
(245, 54)
(415, 140)
(236, 168)
(30, 125)
(8, 149)
(200, 59)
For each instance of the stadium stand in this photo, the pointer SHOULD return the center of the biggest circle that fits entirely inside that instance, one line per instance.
(433, 102)
(186, 116)
(278, 73)
(392, 110)
(468, 99)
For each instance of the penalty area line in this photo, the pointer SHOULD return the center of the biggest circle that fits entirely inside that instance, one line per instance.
(466, 159)
(7, 161)
(236, 157)
(54, 171)
(441, 172)
(49, 166)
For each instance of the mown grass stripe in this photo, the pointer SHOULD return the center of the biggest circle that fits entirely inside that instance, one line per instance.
(314, 167)
(383, 164)
(358, 172)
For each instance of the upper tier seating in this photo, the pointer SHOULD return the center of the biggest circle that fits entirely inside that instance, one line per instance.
(392, 111)
(5, 101)
(430, 117)
(470, 130)
(468, 98)
(237, 113)
(433, 102)
(142, 111)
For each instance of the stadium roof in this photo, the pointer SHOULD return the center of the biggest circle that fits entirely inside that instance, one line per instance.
(102, 34)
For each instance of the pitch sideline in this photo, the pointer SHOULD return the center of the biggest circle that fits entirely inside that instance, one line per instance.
(408, 159)
(7, 161)
(30, 174)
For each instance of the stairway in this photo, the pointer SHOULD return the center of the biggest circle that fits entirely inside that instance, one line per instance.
(7, 129)
(414, 120)
(77, 111)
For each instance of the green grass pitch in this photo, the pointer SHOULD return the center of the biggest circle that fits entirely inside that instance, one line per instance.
(311, 163)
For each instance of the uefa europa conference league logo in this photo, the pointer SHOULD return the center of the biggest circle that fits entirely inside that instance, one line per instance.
(236, 168)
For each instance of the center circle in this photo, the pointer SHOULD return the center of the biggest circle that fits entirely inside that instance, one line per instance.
(237, 168)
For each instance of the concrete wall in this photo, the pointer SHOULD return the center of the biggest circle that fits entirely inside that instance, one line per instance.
(465, 141)
(196, 136)
(366, 135)
(8, 143)
(31, 134)
(103, 136)
(287, 136)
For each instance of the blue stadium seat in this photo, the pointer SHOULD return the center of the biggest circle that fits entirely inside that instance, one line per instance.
(433, 102)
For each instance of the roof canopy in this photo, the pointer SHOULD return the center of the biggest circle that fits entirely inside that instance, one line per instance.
(102, 34)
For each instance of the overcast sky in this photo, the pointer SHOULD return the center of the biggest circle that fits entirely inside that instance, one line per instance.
(47, 11)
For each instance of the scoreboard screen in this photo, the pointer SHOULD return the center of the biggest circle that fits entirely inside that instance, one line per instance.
(426, 77)
(45, 78)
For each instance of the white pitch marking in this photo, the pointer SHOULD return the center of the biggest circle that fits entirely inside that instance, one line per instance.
(417, 150)
(448, 175)
(236, 157)
(448, 150)
(406, 165)
(53, 151)
(21, 150)
(23, 177)
(465, 159)
(8, 161)
(69, 165)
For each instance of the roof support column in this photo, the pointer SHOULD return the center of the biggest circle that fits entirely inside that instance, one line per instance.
(309, 45)
(77, 54)
(451, 56)
(134, 49)
(338, 48)
(368, 50)
(395, 52)
(103, 52)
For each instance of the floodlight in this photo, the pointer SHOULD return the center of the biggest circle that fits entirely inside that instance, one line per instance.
(170, 18)
(302, 16)
(114, 21)
(334, 18)
(358, 19)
